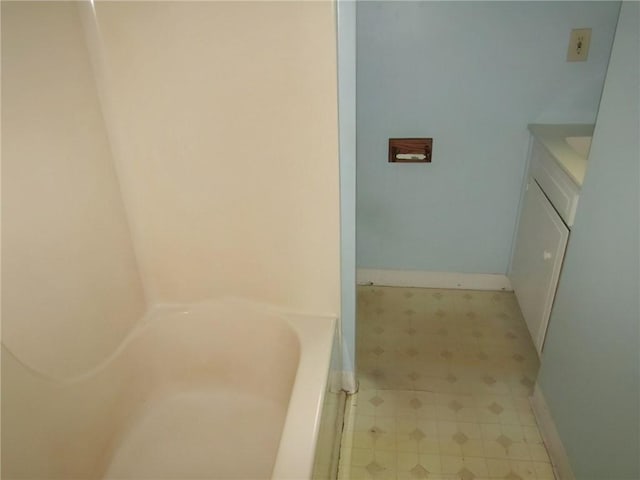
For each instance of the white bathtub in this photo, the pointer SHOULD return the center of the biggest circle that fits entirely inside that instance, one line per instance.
(226, 389)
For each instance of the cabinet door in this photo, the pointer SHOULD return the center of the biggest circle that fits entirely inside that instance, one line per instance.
(539, 250)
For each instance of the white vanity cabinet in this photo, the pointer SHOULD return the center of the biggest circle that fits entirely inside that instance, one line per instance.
(554, 179)
(537, 259)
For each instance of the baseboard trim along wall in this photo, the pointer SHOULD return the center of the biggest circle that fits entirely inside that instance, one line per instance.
(424, 279)
(550, 436)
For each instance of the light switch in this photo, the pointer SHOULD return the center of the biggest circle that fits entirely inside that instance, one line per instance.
(579, 45)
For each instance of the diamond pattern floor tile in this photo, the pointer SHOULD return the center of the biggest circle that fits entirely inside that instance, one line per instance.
(445, 377)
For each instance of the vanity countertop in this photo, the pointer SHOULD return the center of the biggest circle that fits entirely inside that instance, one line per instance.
(553, 138)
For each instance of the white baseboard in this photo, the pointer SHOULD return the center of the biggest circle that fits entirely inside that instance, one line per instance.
(424, 279)
(550, 436)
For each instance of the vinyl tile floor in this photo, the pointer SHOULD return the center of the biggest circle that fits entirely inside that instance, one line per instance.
(445, 377)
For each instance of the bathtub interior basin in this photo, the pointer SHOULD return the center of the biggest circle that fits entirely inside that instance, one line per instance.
(191, 434)
(581, 145)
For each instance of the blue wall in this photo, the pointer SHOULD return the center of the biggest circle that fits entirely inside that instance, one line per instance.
(471, 75)
(590, 365)
(346, 24)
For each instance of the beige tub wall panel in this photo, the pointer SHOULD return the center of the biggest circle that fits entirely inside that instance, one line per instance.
(71, 287)
(228, 129)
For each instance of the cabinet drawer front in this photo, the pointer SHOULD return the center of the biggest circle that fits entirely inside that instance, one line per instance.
(555, 183)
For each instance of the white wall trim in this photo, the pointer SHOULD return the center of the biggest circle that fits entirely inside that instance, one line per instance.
(550, 436)
(424, 279)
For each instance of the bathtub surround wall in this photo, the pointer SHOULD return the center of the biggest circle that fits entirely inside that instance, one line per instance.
(471, 75)
(226, 124)
(71, 287)
(590, 367)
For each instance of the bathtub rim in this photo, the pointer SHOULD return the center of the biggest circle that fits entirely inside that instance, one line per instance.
(298, 442)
